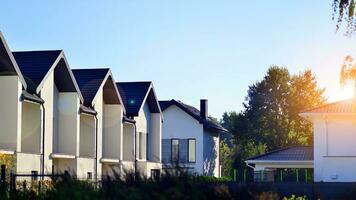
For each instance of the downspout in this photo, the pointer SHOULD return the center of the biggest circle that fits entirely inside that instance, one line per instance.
(28, 97)
(135, 152)
(96, 148)
(43, 139)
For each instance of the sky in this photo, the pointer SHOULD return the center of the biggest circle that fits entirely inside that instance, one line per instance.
(189, 49)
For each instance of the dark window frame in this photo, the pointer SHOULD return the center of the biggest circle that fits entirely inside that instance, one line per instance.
(177, 161)
(195, 150)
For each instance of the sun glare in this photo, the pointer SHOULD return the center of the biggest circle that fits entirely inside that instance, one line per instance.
(346, 92)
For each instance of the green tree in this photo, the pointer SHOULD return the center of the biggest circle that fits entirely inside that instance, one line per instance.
(226, 159)
(344, 10)
(270, 119)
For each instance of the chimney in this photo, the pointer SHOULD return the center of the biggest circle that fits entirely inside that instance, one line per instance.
(204, 108)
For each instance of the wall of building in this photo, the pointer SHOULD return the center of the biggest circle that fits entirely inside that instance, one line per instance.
(31, 128)
(62, 165)
(211, 154)
(98, 106)
(10, 109)
(28, 163)
(128, 142)
(334, 149)
(85, 165)
(155, 138)
(143, 125)
(112, 133)
(178, 124)
(87, 136)
(47, 94)
(68, 123)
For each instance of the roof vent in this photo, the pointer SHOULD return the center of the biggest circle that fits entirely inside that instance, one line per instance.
(204, 108)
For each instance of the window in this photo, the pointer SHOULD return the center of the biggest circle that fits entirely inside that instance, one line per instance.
(34, 175)
(155, 174)
(89, 175)
(175, 150)
(191, 150)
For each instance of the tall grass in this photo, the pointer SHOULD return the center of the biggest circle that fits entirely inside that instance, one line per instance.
(171, 185)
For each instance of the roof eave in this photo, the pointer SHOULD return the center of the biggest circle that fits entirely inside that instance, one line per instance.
(279, 161)
(13, 61)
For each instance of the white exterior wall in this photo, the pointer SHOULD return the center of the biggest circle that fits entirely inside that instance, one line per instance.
(85, 165)
(68, 124)
(10, 113)
(211, 154)
(112, 134)
(128, 142)
(98, 104)
(87, 136)
(47, 94)
(28, 162)
(143, 124)
(31, 128)
(178, 124)
(155, 138)
(334, 149)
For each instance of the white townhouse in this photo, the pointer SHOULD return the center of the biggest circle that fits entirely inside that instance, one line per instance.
(334, 141)
(190, 138)
(142, 128)
(40, 110)
(101, 131)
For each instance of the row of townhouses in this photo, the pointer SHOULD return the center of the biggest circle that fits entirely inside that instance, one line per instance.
(55, 119)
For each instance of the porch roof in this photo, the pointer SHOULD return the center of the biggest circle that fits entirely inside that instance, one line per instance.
(289, 154)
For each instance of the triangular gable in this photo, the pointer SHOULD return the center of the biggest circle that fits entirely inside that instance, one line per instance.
(136, 94)
(91, 80)
(194, 113)
(37, 65)
(8, 65)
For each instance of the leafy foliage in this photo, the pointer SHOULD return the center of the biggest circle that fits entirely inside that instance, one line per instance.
(171, 185)
(348, 71)
(344, 10)
(270, 119)
(226, 159)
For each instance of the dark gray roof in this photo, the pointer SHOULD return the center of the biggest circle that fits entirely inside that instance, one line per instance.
(89, 82)
(34, 65)
(8, 65)
(208, 124)
(133, 95)
(299, 153)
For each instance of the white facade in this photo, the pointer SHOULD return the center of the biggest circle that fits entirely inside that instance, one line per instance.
(334, 148)
(65, 137)
(148, 142)
(180, 125)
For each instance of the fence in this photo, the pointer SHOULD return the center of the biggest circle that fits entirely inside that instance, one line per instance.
(312, 190)
(277, 175)
(37, 182)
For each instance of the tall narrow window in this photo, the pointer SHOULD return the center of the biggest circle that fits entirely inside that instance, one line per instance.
(175, 150)
(191, 150)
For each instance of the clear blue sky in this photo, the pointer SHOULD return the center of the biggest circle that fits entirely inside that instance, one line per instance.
(189, 49)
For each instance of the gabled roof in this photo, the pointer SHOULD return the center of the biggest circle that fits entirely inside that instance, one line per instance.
(347, 106)
(91, 80)
(36, 66)
(135, 94)
(195, 113)
(298, 153)
(8, 65)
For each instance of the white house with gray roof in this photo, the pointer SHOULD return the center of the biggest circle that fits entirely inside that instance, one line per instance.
(334, 141)
(190, 138)
(271, 164)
